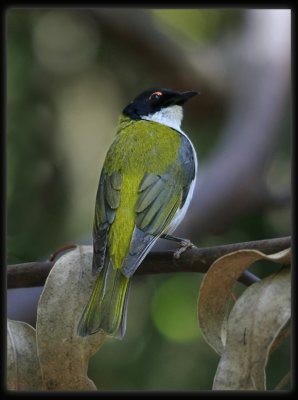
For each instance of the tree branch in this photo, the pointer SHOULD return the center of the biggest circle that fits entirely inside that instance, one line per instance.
(194, 260)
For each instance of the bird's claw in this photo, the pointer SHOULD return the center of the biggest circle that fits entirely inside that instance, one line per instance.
(184, 245)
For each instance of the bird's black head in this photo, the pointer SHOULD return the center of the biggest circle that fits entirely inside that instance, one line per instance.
(153, 100)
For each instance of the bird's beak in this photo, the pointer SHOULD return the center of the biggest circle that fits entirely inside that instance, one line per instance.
(182, 97)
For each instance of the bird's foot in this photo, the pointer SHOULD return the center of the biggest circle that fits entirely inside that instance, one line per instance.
(185, 244)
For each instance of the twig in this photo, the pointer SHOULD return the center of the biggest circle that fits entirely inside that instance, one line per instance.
(193, 260)
(62, 249)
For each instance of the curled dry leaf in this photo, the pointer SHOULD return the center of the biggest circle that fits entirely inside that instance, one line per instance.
(23, 370)
(63, 355)
(216, 288)
(254, 322)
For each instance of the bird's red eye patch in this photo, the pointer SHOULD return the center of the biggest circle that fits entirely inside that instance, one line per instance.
(155, 95)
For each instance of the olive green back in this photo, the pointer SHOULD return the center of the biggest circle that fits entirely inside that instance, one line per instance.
(140, 147)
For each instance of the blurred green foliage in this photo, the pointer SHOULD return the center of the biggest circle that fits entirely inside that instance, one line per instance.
(196, 25)
(36, 186)
(174, 308)
(65, 88)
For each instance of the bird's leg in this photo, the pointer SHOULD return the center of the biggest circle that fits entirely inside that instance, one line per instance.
(184, 244)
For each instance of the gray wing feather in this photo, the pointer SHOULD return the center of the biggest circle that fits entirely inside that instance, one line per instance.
(140, 245)
(186, 159)
(148, 180)
(116, 180)
(112, 194)
(107, 201)
(162, 200)
(160, 197)
(149, 194)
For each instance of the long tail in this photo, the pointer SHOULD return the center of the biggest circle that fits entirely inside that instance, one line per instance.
(106, 308)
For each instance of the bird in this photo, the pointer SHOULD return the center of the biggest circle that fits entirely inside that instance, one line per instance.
(145, 188)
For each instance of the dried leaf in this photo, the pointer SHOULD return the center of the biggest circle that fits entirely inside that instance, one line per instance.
(63, 355)
(280, 338)
(23, 370)
(216, 288)
(254, 322)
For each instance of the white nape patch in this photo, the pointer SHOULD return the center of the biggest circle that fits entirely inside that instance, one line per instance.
(170, 116)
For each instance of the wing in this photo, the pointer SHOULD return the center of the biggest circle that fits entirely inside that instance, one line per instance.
(188, 160)
(107, 201)
(160, 197)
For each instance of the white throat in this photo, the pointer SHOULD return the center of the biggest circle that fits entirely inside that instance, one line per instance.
(170, 116)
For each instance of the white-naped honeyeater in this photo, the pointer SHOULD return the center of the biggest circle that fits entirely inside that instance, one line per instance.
(145, 187)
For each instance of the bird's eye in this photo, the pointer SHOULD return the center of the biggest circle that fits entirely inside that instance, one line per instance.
(155, 96)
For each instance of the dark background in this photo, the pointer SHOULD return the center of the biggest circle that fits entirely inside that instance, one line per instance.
(69, 75)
